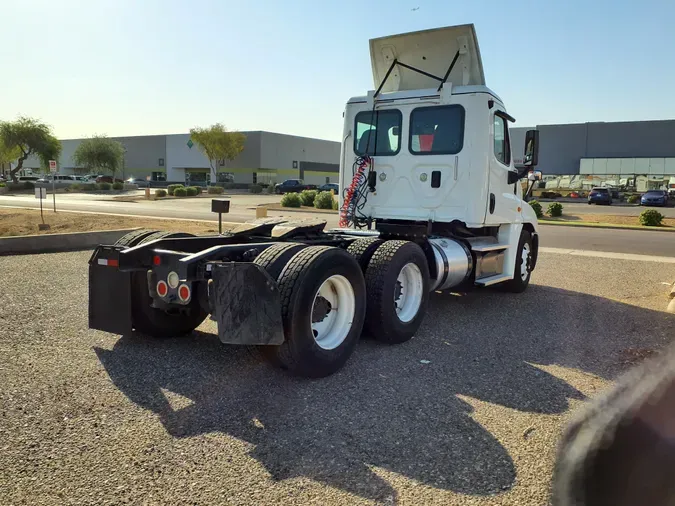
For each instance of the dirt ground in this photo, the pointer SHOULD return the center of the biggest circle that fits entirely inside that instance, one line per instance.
(609, 218)
(15, 222)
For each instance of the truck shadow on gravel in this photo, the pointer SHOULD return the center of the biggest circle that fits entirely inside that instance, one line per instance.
(386, 409)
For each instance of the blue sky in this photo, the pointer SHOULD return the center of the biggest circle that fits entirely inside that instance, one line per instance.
(128, 67)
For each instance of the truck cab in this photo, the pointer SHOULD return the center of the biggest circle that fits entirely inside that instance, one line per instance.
(436, 135)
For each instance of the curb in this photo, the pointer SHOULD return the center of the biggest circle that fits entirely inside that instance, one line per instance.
(605, 225)
(55, 243)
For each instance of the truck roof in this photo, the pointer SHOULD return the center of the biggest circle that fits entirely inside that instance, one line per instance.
(429, 92)
(430, 51)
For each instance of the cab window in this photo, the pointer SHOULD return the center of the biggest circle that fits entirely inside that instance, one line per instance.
(501, 143)
(378, 133)
(437, 130)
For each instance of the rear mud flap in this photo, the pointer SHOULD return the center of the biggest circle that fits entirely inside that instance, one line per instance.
(109, 299)
(245, 303)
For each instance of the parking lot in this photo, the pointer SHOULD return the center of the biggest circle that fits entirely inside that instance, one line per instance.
(468, 412)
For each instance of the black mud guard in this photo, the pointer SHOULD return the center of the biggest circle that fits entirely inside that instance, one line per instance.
(109, 292)
(245, 303)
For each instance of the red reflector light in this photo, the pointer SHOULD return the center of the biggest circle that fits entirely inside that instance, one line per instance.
(156, 260)
(184, 292)
(162, 288)
(113, 262)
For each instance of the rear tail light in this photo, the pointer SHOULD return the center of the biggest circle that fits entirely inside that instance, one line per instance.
(156, 260)
(162, 288)
(184, 292)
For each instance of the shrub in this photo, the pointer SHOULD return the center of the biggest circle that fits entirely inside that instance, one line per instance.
(88, 187)
(2, 185)
(336, 205)
(555, 209)
(160, 193)
(215, 190)
(170, 189)
(324, 200)
(229, 185)
(291, 200)
(118, 186)
(255, 188)
(270, 188)
(74, 187)
(651, 218)
(633, 199)
(193, 191)
(104, 186)
(181, 191)
(307, 197)
(536, 207)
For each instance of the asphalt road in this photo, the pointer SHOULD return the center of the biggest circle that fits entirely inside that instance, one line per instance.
(243, 209)
(468, 412)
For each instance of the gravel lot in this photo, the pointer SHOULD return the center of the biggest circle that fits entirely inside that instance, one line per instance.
(92, 418)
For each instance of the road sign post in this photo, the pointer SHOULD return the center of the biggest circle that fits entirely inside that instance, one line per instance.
(41, 193)
(52, 170)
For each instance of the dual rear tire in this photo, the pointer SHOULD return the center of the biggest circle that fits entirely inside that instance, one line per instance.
(329, 295)
(323, 307)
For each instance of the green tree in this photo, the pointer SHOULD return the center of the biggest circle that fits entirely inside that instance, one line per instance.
(100, 153)
(25, 137)
(217, 143)
(7, 155)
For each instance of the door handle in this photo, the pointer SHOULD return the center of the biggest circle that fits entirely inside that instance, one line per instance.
(455, 170)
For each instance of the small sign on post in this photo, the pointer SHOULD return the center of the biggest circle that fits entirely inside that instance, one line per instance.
(52, 169)
(41, 193)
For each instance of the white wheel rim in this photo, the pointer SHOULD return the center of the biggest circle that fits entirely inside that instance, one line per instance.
(525, 261)
(332, 312)
(409, 292)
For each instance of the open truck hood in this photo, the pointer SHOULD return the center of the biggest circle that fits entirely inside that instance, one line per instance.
(431, 51)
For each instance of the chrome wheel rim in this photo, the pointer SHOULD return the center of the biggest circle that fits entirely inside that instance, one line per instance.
(525, 262)
(409, 292)
(333, 312)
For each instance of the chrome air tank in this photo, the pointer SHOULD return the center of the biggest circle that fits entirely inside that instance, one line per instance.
(454, 262)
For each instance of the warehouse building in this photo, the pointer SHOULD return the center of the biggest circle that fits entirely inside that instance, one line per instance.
(267, 158)
(638, 155)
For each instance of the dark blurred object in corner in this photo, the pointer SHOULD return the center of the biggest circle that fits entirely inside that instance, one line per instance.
(620, 449)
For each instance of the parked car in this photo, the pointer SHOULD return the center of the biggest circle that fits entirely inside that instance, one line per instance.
(138, 180)
(654, 198)
(293, 186)
(330, 186)
(108, 179)
(600, 195)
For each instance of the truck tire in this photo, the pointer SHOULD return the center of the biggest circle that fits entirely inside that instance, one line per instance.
(275, 258)
(397, 283)
(158, 322)
(133, 238)
(363, 249)
(329, 283)
(523, 268)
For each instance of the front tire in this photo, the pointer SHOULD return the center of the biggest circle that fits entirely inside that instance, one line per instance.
(323, 305)
(397, 281)
(523, 268)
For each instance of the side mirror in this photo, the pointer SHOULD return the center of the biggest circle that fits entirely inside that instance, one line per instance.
(394, 131)
(513, 177)
(534, 175)
(531, 156)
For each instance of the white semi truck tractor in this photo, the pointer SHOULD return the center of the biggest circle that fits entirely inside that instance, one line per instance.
(430, 201)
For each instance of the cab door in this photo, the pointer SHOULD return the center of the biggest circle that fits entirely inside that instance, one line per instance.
(503, 204)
